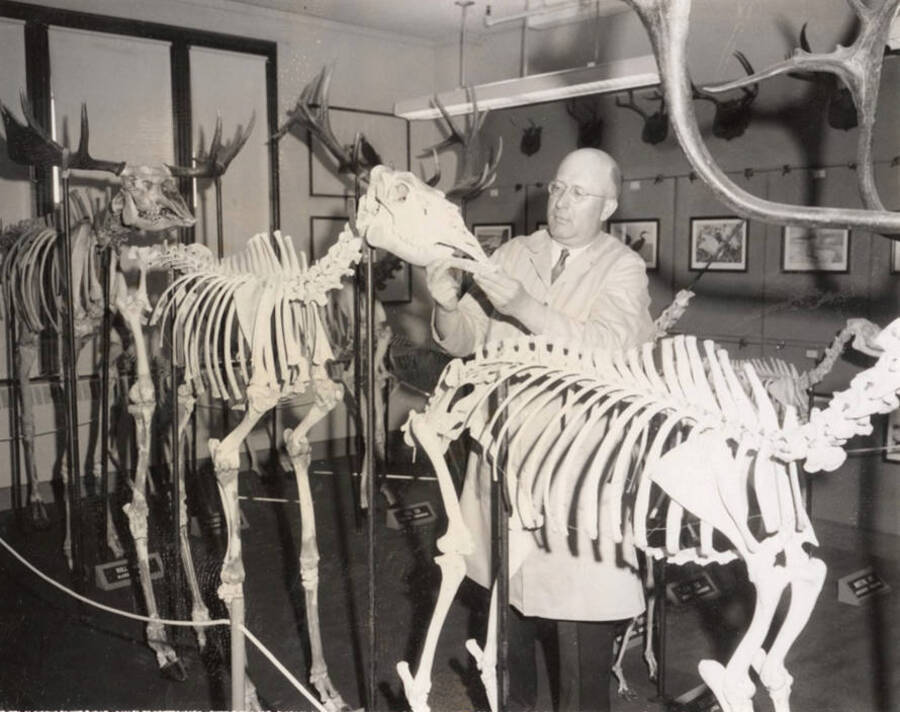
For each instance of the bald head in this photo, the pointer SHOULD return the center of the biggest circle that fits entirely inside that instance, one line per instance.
(587, 193)
(597, 166)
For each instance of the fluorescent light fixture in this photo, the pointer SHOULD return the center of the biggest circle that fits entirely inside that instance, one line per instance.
(619, 75)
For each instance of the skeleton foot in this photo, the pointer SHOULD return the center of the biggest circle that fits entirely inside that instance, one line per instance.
(416, 689)
(330, 697)
(487, 665)
(38, 513)
(731, 697)
(169, 664)
(623, 690)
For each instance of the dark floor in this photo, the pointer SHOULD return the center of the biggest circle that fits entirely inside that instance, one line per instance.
(58, 654)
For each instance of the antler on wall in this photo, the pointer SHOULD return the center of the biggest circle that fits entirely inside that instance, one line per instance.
(471, 181)
(656, 125)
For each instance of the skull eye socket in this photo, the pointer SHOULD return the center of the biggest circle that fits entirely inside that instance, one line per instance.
(400, 192)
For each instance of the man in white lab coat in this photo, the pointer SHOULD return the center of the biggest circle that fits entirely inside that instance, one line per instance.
(575, 283)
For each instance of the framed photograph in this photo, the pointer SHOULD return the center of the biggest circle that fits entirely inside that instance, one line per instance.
(387, 134)
(393, 277)
(815, 249)
(719, 244)
(642, 236)
(892, 437)
(895, 256)
(493, 235)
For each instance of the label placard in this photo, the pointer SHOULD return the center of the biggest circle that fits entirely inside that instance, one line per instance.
(858, 587)
(701, 586)
(117, 574)
(415, 515)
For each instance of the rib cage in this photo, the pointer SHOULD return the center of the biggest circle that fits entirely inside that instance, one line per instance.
(623, 413)
(30, 272)
(254, 312)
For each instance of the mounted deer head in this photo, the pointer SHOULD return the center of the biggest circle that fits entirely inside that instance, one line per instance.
(311, 112)
(470, 181)
(531, 137)
(656, 125)
(841, 109)
(859, 66)
(590, 123)
(733, 116)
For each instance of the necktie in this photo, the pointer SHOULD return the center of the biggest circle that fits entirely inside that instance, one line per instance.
(559, 266)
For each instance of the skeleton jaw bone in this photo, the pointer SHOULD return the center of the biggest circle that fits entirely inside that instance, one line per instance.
(401, 214)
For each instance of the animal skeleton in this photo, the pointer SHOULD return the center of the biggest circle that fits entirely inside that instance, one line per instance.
(148, 200)
(676, 423)
(260, 310)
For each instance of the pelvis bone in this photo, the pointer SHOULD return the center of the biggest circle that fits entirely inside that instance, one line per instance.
(408, 218)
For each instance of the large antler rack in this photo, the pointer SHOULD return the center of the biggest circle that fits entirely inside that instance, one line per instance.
(311, 112)
(859, 66)
(214, 162)
(469, 184)
(30, 145)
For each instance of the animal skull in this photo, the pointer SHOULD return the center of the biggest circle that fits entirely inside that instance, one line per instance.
(401, 214)
(149, 199)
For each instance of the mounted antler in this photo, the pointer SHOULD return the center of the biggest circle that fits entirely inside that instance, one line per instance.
(859, 68)
(31, 145)
(667, 21)
(590, 123)
(214, 163)
(469, 184)
(656, 125)
(311, 113)
(733, 116)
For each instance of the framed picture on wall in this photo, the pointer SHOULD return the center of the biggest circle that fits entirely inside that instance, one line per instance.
(815, 249)
(491, 236)
(393, 277)
(895, 256)
(387, 134)
(719, 244)
(642, 236)
(892, 437)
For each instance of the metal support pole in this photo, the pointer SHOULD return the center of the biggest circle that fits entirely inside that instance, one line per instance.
(464, 4)
(501, 516)
(14, 413)
(105, 349)
(238, 652)
(660, 595)
(70, 368)
(178, 570)
(370, 460)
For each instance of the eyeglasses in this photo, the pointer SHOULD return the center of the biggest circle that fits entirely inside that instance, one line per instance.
(557, 189)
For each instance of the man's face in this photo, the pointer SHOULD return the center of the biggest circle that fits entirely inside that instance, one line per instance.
(574, 221)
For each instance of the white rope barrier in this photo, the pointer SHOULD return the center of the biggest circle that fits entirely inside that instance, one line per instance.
(165, 621)
(282, 669)
(101, 606)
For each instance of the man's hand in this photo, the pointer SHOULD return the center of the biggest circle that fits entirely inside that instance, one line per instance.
(506, 294)
(443, 284)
